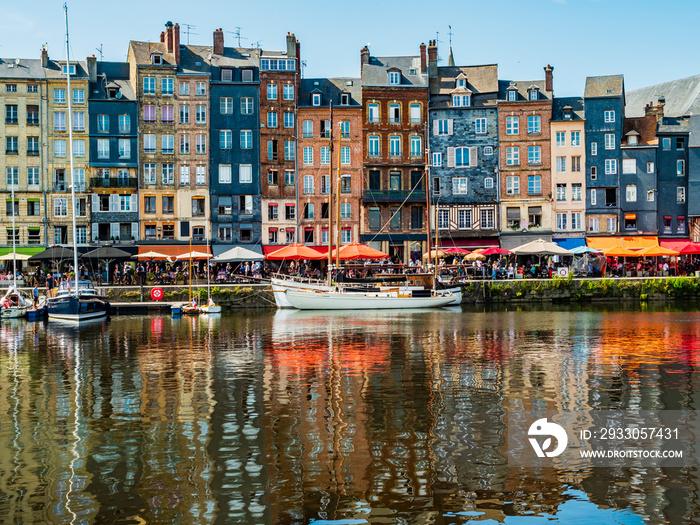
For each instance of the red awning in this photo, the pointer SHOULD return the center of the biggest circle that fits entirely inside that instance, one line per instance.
(469, 243)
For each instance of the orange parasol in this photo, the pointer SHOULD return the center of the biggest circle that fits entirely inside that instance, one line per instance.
(356, 250)
(295, 252)
(619, 251)
(657, 251)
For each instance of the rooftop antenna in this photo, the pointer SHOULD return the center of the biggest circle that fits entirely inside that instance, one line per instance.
(450, 33)
(99, 50)
(237, 34)
(256, 45)
(438, 41)
(188, 31)
(303, 65)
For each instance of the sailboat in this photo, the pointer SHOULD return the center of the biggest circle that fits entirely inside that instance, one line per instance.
(211, 307)
(79, 302)
(191, 308)
(356, 296)
(14, 304)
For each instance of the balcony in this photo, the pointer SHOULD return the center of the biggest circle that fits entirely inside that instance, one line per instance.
(59, 186)
(32, 121)
(393, 196)
(121, 182)
(11, 120)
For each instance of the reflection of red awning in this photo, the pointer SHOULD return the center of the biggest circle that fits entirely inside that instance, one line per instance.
(469, 243)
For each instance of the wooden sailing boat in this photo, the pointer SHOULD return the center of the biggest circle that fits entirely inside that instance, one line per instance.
(14, 304)
(211, 307)
(191, 308)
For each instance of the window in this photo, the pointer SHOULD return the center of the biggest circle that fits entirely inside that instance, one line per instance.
(680, 143)
(198, 206)
(462, 157)
(345, 152)
(102, 148)
(512, 156)
(59, 147)
(345, 235)
(168, 203)
(561, 192)
(60, 207)
(513, 185)
(561, 221)
(650, 167)
(609, 141)
(459, 185)
(307, 128)
(593, 197)
(534, 124)
(576, 192)
(576, 164)
(184, 88)
(394, 77)
(680, 194)
(185, 144)
(609, 116)
(289, 177)
(480, 125)
(612, 224)
(247, 106)
(534, 185)
(246, 139)
(59, 121)
(33, 176)
(272, 119)
(12, 145)
(325, 155)
(168, 173)
(443, 219)
(124, 123)
(650, 195)
(32, 115)
(201, 175)
(288, 92)
(149, 86)
(247, 75)
(345, 129)
(394, 113)
(345, 184)
(442, 127)
(78, 96)
(201, 115)
(576, 223)
(512, 95)
(344, 99)
(272, 212)
(593, 225)
(631, 193)
(184, 114)
(288, 119)
(226, 75)
(200, 144)
(167, 144)
(12, 176)
(417, 214)
(373, 113)
(373, 146)
(464, 219)
(149, 114)
(561, 164)
(316, 99)
(226, 139)
(245, 173)
(11, 114)
(416, 148)
(610, 166)
(309, 210)
(534, 155)
(149, 143)
(11, 88)
(184, 175)
(459, 101)
(308, 184)
(395, 218)
(437, 160)
(575, 141)
(272, 91)
(594, 149)
(680, 168)
(290, 212)
(308, 155)
(124, 149)
(225, 174)
(512, 125)
(561, 139)
(325, 184)
(629, 166)
(487, 219)
(395, 180)
(394, 146)
(533, 94)
(415, 113)
(149, 173)
(200, 89)
(345, 210)
(594, 173)
(166, 86)
(288, 150)
(680, 225)
(59, 96)
(33, 145)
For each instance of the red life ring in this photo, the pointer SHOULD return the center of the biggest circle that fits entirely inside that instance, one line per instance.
(157, 294)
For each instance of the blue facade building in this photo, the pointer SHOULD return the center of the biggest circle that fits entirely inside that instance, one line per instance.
(604, 100)
(672, 165)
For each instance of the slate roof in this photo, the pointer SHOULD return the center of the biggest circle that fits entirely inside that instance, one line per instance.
(480, 79)
(26, 69)
(682, 97)
(235, 57)
(374, 73)
(674, 125)
(576, 104)
(331, 88)
(112, 74)
(605, 86)
(142, 52)
(644, 126)
(523, 86)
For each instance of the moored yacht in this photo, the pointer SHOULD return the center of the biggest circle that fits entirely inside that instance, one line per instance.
(80, 304)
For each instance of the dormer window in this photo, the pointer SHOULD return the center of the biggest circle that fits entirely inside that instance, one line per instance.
(316, 99)
(247, 75)
(394, 78)
(69, 70)
(459, 101)
(632, 140)
(156, 59)
(344, 99)
(512, 95)
(112, 92)
(226, 75)
(534, 94)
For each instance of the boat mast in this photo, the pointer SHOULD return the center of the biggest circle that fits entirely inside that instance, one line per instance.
(14, 233)
(337, 199)
(427, 190)
(76, 272)
(330, 198)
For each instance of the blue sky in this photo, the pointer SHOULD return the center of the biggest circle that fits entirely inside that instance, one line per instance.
(644, 40)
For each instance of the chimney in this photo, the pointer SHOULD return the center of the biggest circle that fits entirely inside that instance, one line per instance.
(162, 37)
(44, 57)
(432, 58)
(364, 57)
(656, 110)
(92, 68)
(298, 55)
(548, 78)
(218, 42)
(291, 46)
(423, 60)
(176, 42)
(169, 36)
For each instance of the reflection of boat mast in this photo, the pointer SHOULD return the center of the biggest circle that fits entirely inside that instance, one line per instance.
(336, 406)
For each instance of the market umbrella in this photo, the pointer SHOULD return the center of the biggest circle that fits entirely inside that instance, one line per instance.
(619, 251)
(656, 251)
(580, 250)
(107, 255)
(495, 251)
(541, 247)
(194, 255)
(356, 250)
(150, 256)
(435, 254)
(238, 254)
(689, 248)
(17, 256)
(456, 251)
(54, 253)
(296, 252)
(475, 255)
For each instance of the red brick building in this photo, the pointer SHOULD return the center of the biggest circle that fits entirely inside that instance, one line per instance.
(394, 112)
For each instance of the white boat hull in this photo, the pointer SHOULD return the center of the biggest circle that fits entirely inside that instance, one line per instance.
(314, 300)
(14, 312)
(211, 309)
(78, 317)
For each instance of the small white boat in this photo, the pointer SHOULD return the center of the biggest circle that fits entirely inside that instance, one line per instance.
(346, 300)
(211, 307)
(15, 304)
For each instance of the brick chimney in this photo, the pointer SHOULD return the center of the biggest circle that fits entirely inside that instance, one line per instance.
(364, 57)
(169, 36)
(162, 37)
(548, 78)
(432, 58)
(92, 68)
(44, 57)
(423, 60)
(656, 110)
(218, 42)
(176, 42)
(291, 46)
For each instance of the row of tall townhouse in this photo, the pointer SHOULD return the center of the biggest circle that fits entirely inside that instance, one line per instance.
(187, 142)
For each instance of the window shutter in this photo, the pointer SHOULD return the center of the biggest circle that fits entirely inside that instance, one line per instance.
(473, 161)
(114, 229)
(450, 126)
(450, 157)
(114, 202)
(436, 127)
(93, 231)
(134, 226)
(95, 202)
(134, 203)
